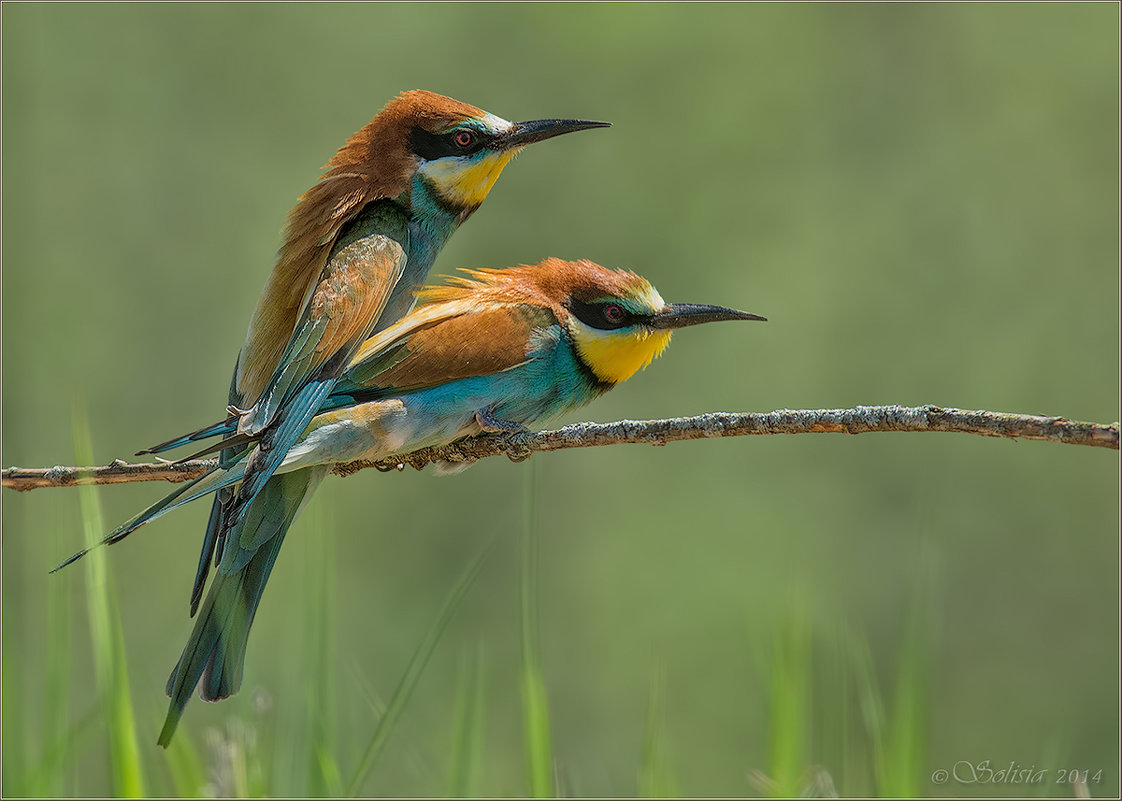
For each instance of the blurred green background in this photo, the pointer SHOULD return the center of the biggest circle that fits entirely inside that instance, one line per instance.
(923, 200)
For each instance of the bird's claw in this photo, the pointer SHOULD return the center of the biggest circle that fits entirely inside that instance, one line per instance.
(494, 425)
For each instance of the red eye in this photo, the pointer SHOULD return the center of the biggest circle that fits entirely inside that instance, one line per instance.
(613, 313)
(464, 138)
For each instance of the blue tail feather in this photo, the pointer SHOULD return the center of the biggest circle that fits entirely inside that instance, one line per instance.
(212, 480)
(209, 541)
(214, 656)
(215, 534)
(304, 406)
(224, 429)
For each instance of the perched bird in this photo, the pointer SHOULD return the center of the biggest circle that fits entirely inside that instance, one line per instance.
(354, 248)
(494, 350)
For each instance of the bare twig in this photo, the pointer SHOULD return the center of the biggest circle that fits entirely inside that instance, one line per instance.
(860, 420)
(116, 472)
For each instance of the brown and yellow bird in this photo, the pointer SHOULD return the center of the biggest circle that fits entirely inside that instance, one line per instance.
(354, 248)
(495, 350)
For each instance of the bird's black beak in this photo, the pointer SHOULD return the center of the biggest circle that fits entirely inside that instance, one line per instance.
(680, 315)
(525, 133)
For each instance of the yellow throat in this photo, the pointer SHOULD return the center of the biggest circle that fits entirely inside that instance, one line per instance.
(615, 356)
(466, 182)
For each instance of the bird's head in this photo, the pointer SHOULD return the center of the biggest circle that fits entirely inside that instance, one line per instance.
(448, 150)
(615, 319)
(619, 323)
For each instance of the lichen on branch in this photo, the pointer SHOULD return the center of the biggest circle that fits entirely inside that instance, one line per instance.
(860, 420)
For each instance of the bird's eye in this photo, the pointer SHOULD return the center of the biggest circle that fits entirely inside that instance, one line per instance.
(614, 313)
(464, 138)
(602, 314)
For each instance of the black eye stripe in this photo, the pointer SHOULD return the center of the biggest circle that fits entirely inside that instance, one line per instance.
(596, 315)
(431, 146)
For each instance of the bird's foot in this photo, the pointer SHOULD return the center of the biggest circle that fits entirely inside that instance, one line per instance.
(491, 424)
(494, 425)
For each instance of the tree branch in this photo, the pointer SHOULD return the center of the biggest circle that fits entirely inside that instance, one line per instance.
(860, 420)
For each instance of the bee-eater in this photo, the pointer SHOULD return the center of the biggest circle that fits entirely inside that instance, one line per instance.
(354, 248)
(494, 350)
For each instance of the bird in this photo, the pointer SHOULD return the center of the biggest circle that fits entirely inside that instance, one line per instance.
(491, 350)
(354, 247)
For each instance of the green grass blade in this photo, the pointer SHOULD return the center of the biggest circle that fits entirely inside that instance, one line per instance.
(325, 778)
(408, 754)
(656, 777)
(789, 704)
(413, 673)
(468, 729)
(188, 775)
(840, 742)
(535, 701)
(108, 644)
(58, 755)
(18, 779)
(905, 748)
(56, 702)
(535, 715)
(869, 701)
(898, 732)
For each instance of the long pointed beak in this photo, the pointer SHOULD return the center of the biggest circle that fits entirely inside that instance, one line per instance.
(680, 315)
(525, 133)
